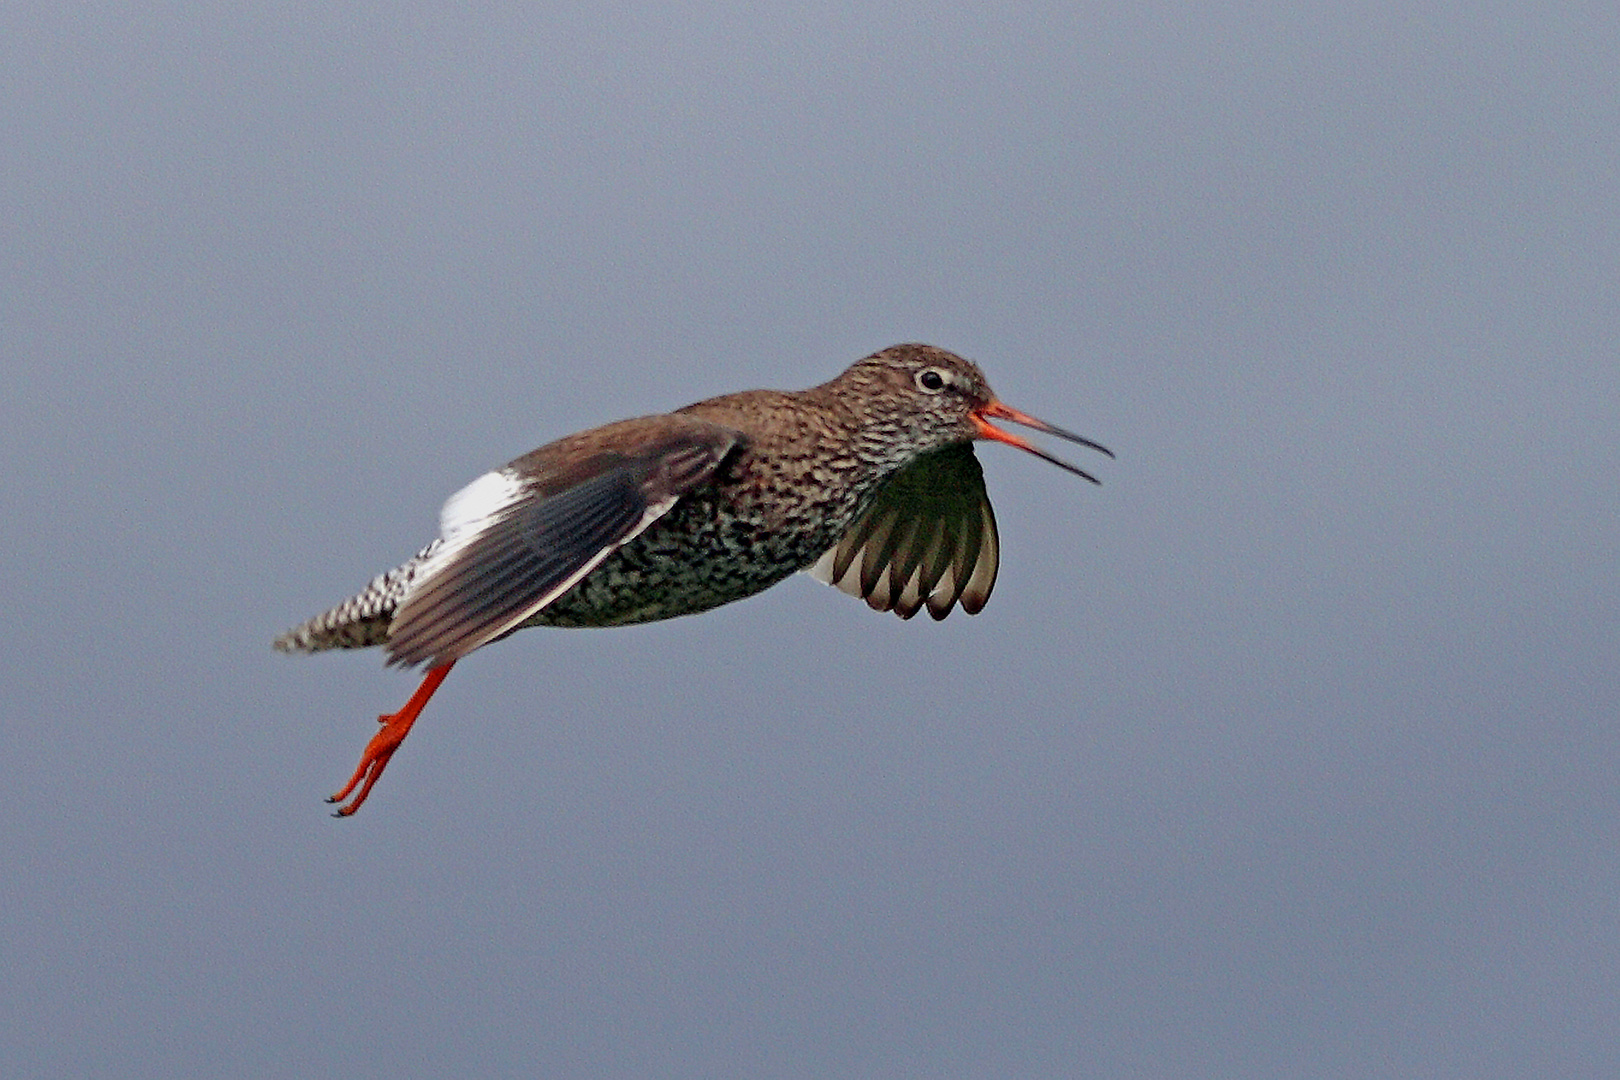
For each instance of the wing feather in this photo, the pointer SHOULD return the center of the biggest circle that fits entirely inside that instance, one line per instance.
(521, 541)
(928, 539)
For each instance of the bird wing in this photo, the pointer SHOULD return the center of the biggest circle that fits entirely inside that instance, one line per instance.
(517, 538)
(929, 537)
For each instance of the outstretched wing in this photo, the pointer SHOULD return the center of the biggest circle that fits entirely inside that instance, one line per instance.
(516, 539)
(929, 538)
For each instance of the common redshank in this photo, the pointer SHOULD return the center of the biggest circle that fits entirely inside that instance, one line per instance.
(868, 481)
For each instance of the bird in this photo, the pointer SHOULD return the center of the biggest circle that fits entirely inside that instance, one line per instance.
(868, 482)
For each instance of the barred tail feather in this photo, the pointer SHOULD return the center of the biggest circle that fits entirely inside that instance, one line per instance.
(362, 620)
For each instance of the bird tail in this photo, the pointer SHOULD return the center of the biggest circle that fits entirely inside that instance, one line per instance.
(360, 621)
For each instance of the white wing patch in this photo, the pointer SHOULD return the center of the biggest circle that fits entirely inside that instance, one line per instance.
(465, 517)
(478, 505)
(823, 569)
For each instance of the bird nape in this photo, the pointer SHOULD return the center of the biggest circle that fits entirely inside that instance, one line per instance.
(868, 482)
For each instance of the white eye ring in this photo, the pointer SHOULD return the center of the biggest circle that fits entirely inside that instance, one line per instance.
(932, 380)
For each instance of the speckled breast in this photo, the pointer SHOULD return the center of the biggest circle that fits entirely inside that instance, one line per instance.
(723, 543)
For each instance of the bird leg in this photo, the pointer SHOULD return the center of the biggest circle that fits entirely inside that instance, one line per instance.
(395, 726)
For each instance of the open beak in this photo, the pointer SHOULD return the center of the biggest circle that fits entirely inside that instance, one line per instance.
(981, 422)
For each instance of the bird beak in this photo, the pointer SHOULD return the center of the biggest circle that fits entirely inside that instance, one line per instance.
(985, 430)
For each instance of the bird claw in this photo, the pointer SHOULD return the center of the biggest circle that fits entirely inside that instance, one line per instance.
(395, 726)
(380, 750)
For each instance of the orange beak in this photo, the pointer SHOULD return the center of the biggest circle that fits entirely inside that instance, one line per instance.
(981, 423)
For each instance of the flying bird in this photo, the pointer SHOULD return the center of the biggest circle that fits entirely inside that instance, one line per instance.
(869, 482)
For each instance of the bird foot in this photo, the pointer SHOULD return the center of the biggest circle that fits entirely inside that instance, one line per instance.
(378, 752)
(374, 760)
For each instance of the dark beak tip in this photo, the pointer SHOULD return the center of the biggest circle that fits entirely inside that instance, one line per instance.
(1001, 411)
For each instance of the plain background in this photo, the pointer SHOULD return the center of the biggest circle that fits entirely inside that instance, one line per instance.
(1289, 752)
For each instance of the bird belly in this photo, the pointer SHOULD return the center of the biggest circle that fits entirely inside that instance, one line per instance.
(698, 557)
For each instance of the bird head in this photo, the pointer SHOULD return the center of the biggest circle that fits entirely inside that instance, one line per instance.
(923, 398)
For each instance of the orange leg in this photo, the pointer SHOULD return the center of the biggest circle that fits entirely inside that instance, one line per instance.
(395, 726)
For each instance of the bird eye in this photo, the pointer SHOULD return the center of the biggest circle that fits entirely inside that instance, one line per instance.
(931, 380)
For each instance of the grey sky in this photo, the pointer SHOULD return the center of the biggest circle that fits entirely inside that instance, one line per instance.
(1288, 752)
